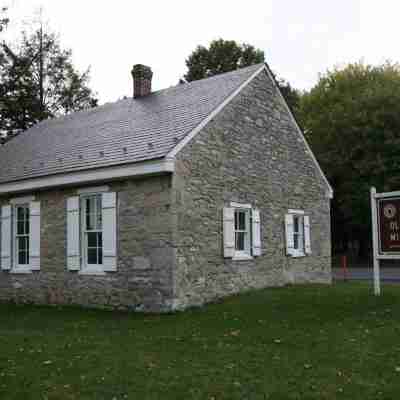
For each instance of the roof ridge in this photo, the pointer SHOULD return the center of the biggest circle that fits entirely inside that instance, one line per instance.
(212, 77)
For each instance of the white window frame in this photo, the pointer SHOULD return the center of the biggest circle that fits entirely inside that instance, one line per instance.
(299, 235)
(86, 268)
(20, 268)
(245, 254)
(301, 250)
(10, 236)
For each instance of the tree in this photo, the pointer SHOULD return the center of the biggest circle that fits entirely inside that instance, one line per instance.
(291, 95)
(227, 55)
(38, 81)
(3, 18)
(352, 121)
(221, 56)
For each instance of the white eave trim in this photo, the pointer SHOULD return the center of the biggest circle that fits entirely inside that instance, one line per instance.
(205, 121)
(90, 176)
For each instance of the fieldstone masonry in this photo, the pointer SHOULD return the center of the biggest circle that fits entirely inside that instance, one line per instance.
(146, 255)
(250, 153)
(169, 228)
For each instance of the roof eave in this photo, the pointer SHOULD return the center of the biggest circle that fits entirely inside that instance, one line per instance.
(109, 173)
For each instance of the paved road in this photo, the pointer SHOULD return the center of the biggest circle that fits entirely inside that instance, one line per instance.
(360, 274)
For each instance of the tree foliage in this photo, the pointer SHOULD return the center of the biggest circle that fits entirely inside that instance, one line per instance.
(352, 120)
(227, 55)
(291, 95)
(38, 81)
(221, 56)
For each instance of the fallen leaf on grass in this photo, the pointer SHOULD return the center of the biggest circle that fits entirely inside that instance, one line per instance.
(233, 333)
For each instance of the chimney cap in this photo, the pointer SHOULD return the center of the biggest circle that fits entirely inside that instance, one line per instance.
(141, 71)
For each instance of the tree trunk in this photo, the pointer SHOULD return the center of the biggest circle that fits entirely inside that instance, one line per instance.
(41, 73)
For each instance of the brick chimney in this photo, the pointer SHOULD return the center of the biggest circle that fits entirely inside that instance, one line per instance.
(141, 80)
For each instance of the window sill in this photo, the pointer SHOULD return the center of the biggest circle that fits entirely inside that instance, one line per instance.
(298, 255)
(92, 271)
(242, 257)
(20, 271)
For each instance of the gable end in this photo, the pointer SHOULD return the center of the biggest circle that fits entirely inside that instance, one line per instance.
(172, 154)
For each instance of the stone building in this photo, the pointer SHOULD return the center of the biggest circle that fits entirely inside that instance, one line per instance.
(165, 200)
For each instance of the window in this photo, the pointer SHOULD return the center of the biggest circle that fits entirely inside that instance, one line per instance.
(241, 232)
(20, 235)
(21, 229)
(298, 236)
(92, 230)
(298, 233)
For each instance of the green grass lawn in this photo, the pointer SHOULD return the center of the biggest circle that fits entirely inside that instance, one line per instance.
(309, 342)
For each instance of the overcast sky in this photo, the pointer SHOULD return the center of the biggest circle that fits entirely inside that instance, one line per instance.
(300, 38)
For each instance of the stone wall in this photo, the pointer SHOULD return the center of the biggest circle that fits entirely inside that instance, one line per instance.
(249, 153)
(170, 250)
(145, 253)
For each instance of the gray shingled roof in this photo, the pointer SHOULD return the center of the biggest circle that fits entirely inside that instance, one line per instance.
(128, 131)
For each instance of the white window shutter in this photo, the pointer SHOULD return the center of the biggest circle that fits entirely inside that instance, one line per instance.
(6, 242)
(34, 235)
(73, 236)
(256, 233)
(109, 205)
(307, 235)
(289, 229)
(229, 232)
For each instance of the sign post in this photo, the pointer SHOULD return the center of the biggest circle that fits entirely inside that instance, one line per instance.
(385, 212)
(377, 280)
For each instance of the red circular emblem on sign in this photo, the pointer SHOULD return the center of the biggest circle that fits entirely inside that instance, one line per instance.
(389, 211)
